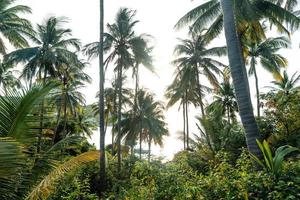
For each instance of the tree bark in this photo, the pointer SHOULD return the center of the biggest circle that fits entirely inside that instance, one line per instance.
(239, 76)
(200, 94)
(257, 93)
(102, 173)
(187, 123)
(119, 117)
(149, 148)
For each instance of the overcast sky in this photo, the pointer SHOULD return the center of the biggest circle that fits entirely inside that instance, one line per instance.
(157, 18)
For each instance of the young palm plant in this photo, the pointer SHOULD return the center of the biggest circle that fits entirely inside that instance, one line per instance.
(269, 162)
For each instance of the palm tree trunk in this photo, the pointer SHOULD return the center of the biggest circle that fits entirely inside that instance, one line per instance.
(39, 143)
(200, 93)
(141, 140)
(149, 148)
(119, 116)
(135, 99)
(113, 126)
(257, 93)
(239, 76)
(101, 101)
(64, 101)
(187, 124)
(183, 112)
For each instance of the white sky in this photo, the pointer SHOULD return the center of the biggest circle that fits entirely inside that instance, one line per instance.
(157, 18)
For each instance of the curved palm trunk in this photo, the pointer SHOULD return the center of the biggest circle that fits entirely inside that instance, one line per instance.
(101, 101)
(239, 76)
(119, 117)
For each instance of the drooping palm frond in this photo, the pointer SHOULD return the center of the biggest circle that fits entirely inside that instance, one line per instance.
(47, 185)
(16, 106)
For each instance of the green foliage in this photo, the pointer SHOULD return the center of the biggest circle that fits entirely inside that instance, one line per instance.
(269, 162)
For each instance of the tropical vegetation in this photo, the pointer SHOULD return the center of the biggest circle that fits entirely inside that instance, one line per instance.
(237, 151)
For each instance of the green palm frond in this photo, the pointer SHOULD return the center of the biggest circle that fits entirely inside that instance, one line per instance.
(16, 106)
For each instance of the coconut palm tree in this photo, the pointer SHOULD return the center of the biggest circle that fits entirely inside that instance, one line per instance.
(7, 78)
(184, 90)
(194, 58)
(13, 27)
(145, 122)
(121, 43)
(249, 16)
(265, 52)
(239, 76)
(54, 48)
(225, 100)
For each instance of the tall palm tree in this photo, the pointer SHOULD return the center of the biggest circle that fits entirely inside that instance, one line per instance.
(249, 16)
(286, 84)
(183, 90)
(194, 58)
(266, 52)
(145, 122)
(14, 28)
(121, 43)
(239, 76)
(54, 48)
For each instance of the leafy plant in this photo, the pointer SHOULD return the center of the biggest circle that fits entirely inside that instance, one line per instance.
(272, 163)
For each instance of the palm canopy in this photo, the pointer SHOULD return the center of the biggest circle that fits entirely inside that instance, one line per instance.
(193, 53)
(267, 53)
(286, 84)
(122, 44)
(224, 100)
(54, 48)
(248, 14)
(14, 28)
(147, 119)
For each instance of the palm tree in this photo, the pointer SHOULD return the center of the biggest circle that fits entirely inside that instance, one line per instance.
(225, 100)
(145, 122)
(239, 76)
(7, 78)
(183, 89)
(53, 49)
(194, 58)
(121, 43)
(14, 28)
(249, 16)
(270, 60)
(286, 84)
